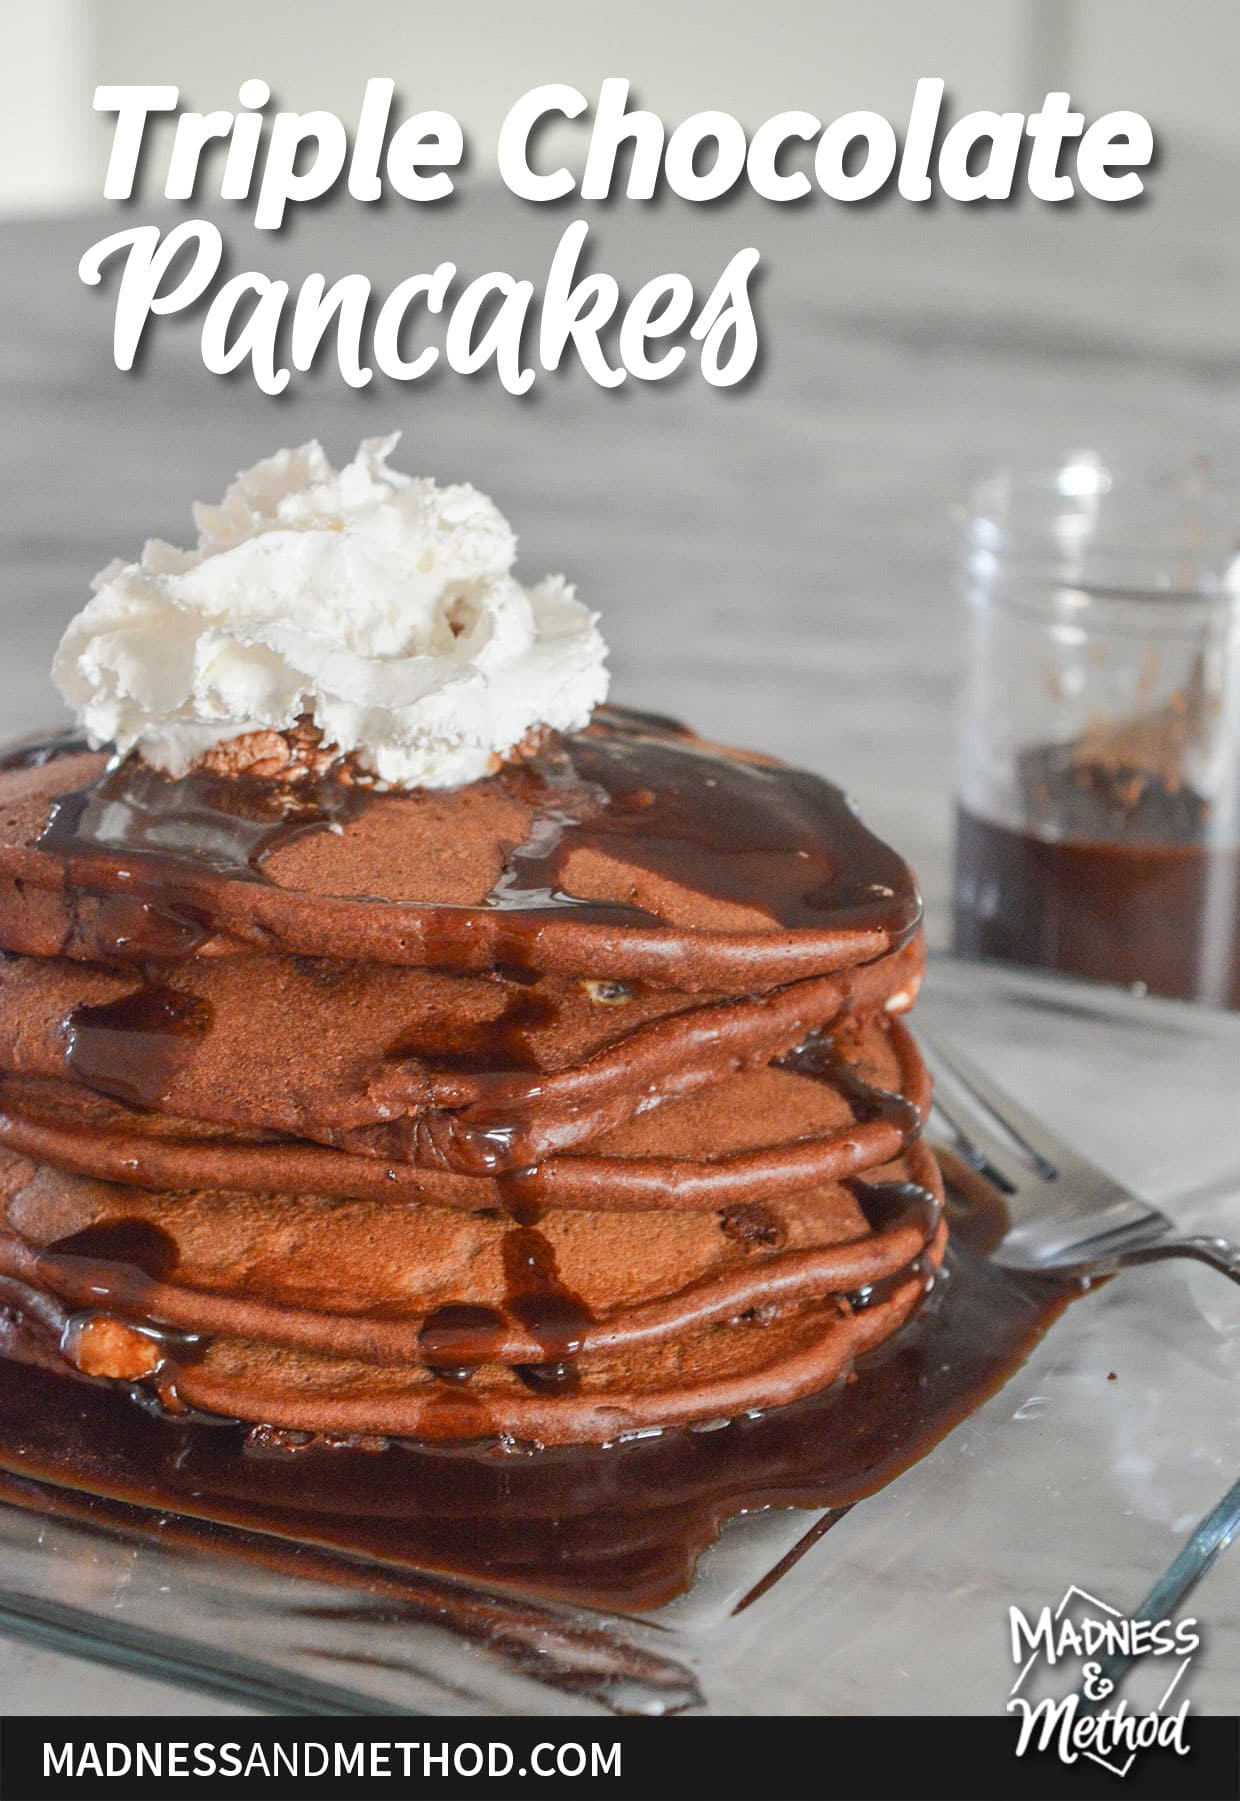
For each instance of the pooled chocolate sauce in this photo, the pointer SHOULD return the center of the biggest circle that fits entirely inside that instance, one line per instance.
(618, 1526)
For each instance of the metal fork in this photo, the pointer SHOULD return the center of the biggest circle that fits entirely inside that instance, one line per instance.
(1067, 1217)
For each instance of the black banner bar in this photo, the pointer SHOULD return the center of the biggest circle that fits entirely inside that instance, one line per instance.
(786, 1759)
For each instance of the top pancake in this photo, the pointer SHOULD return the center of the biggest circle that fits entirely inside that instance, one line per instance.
(633, 850)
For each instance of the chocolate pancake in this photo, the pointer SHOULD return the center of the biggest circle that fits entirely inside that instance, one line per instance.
(835, 1108)
(404, 1320)
(566, 1105)
(630, 851)
(473, 1072)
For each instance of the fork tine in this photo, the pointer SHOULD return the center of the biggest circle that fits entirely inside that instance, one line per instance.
(976, 1138)
(1085, 1223)
(990, 1106)
(961, 1154)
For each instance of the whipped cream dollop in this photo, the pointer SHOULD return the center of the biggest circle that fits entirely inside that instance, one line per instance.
(381, 605)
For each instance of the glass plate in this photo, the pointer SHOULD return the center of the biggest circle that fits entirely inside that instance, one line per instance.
(1091, 1467)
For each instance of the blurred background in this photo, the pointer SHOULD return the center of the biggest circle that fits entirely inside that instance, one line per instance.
(774, 563)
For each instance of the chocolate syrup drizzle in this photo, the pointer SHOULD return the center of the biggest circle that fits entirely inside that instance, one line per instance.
(135, 816)
(116, 1261)
(145, 857)
(115, 1253)
(460, 1335)
(501, 1043)
(553, 1315)
(127, 1048)
(631, 786)
(820, 1059)
(759, 835)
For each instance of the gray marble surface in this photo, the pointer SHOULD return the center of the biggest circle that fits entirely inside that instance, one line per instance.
(774, 563)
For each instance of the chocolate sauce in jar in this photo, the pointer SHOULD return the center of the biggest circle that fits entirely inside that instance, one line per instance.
(1166, 916)
(1114, 874)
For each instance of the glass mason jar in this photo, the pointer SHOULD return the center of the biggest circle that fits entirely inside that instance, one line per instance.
(1098, 785)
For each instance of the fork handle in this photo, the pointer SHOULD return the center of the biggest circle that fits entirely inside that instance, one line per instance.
(1219, 1253)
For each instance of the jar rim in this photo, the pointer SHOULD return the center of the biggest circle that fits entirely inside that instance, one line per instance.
(1120, 534)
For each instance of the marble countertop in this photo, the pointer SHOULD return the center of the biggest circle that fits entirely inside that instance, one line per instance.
(773, 563)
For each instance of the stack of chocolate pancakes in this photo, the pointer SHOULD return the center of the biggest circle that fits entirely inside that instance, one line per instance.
(562, 1106)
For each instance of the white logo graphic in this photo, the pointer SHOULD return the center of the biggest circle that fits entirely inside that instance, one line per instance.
(1082, 1647)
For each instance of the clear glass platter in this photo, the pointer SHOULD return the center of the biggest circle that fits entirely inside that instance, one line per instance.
(1091, 1466)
